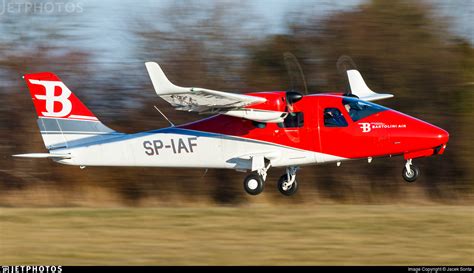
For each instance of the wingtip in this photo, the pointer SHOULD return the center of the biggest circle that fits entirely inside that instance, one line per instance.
(151, 63)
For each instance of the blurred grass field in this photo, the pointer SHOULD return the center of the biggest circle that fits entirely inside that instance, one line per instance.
(290, 235)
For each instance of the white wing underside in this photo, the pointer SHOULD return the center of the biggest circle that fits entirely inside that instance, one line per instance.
(202, 100)
(194, 99)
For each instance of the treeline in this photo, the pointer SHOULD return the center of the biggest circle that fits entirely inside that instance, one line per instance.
(401, 47)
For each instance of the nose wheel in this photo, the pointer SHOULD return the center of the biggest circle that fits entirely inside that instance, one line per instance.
(410, 172)
(287, 184)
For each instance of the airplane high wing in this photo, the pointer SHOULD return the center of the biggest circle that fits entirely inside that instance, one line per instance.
(194, 99)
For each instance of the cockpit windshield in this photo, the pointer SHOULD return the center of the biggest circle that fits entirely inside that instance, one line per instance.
(359, 109)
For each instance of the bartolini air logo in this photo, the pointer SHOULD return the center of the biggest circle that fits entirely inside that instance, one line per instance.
(369, 126)
(50, 98)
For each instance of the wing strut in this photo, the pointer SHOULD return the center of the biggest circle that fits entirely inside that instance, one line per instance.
(159, 111)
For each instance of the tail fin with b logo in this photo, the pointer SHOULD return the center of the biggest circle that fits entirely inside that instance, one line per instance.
(63, 119)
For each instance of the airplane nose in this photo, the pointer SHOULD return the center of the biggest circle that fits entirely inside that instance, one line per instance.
(443, 136)
(419, 137)
(429, 135)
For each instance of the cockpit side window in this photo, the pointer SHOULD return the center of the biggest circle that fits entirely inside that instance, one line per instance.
(292, 120)
(334, 118)
(359, 109)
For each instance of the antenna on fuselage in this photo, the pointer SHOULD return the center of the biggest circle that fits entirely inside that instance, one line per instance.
(167, 119)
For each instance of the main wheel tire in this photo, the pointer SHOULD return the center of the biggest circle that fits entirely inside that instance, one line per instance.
(284, 188)
(411, 176)
(253, 184)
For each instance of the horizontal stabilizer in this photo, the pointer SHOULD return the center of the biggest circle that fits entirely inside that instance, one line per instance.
(43, 155)
(360, 88)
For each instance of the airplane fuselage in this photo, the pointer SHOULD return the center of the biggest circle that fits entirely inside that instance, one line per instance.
(229, 142)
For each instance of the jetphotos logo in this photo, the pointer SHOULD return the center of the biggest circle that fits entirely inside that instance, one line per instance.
(369, 126)
(40, 7)
(32, 269)
(50, 98)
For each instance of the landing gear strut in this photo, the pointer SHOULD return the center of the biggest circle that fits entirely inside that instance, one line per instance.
(287, 184)
(410, 172)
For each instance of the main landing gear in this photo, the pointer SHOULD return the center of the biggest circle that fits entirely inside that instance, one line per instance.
(287, 183)
(254, 183)
(410, 172)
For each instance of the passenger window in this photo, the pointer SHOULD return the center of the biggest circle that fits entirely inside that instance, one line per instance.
(293, 120)
(334, 118)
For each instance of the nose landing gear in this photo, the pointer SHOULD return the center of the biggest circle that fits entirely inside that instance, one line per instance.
(410, 172)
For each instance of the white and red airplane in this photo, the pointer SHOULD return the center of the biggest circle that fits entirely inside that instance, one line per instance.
(250, 132)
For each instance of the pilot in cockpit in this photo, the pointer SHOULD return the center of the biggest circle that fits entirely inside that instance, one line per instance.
(334, 118)
(353, 109)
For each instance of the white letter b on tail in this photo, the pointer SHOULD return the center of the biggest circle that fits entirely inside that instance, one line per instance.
(50, 98)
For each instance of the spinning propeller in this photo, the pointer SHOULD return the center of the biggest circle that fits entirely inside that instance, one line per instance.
(297, 86)
(345, 63)
(297, 81)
